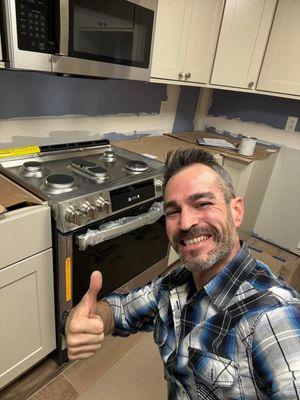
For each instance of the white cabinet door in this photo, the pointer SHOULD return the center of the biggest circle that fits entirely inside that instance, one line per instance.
(203, 34)
(243, 38)
(186, 34)
(27, 332)
(171, 35)
(281, 68)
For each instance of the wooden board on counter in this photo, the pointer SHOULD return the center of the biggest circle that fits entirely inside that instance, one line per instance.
(191, 137)
(153, 145)
(12, 194)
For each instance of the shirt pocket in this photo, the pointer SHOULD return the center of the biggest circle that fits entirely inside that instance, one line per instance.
(215, 377)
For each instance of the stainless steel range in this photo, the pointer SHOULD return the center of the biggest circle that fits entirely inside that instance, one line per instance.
(80, 180)
(107, 215)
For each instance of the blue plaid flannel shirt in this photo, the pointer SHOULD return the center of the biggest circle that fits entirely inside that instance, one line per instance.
(237, 338)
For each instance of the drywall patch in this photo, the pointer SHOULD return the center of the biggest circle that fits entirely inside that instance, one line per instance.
(32, 94)
(250, 107)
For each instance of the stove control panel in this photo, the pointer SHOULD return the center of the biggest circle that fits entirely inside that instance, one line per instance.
(86, 210)
(94, 207)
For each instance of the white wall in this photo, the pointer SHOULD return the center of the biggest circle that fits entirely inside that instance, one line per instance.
(279, 217)
(23, 131)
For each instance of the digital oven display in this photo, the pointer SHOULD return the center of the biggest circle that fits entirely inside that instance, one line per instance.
(132, 194)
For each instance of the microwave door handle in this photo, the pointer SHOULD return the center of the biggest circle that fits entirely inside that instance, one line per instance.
(124, 225)
(64, 24)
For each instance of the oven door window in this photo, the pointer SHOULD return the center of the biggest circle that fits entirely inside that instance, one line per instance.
(113, 31)
(119, 259)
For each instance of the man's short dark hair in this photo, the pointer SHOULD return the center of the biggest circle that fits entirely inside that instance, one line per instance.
(181, 158)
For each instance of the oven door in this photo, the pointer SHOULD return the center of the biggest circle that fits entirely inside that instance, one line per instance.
(129, 251)
(106, 38)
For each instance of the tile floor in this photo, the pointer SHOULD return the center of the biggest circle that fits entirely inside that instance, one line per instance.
(123, 369)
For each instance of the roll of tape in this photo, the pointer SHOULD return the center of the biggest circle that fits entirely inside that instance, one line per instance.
(247, 145)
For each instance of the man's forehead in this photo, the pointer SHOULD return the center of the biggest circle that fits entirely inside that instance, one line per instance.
(195, 180)
(195, 173)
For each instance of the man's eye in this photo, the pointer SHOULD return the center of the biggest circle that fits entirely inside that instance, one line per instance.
(203, 205)
(171, 213)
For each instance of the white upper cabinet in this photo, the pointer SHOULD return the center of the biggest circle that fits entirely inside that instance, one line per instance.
(243, 38)
(281, 68)
(186, 34)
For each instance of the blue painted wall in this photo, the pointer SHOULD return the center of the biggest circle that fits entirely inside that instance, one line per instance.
(250, 107)
(31, 94)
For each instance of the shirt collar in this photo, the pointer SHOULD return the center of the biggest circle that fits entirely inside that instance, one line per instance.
(222, 287)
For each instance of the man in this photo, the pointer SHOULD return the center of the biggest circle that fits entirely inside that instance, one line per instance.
(225, 326)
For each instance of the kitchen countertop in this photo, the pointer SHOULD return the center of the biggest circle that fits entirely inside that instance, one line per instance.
(160, 145)
(260, 151)
(13, 195)
(153, 145)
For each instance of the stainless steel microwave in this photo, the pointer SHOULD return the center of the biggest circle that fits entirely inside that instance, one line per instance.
(102, 38)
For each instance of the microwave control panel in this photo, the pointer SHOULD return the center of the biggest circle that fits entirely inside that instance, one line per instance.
(33, 25)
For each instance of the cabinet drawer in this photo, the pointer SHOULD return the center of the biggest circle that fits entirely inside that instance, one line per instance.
(24, 232)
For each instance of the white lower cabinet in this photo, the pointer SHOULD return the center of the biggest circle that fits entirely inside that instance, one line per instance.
(250, 180)
(27, 328)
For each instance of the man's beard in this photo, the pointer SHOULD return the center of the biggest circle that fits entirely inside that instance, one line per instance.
(224, 244)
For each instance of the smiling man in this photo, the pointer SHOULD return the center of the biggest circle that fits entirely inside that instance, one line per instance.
(202, 214)
(225, 326)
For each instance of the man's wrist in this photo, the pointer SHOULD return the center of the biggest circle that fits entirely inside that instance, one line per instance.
(105, 311)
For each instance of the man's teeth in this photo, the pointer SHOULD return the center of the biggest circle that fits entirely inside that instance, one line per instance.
(198, 239)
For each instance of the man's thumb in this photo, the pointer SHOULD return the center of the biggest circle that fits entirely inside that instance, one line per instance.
(89, 300)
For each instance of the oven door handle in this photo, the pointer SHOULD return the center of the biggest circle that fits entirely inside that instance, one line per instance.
(119, 227)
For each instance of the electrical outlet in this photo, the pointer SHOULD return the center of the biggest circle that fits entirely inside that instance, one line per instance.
(291, 124)
(298, 245)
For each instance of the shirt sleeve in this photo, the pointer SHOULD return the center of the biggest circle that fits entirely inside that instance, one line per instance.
(276, 352)
(135, 311)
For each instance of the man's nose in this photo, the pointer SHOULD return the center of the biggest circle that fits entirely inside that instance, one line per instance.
(188, 218)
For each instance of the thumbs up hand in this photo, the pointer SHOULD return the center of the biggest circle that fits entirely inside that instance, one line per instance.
(84, 328)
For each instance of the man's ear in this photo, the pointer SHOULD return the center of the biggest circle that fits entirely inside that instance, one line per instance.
(237, 210)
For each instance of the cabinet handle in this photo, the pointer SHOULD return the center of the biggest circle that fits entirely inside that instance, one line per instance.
(250, 85)
(187, 75)
(180, 75)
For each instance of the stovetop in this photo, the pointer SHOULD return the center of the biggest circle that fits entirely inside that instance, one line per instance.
(78, 181)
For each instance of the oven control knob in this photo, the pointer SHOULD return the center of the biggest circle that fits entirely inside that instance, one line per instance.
(159, 185)
(89, 209)
(102, 205)
(74, 215)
